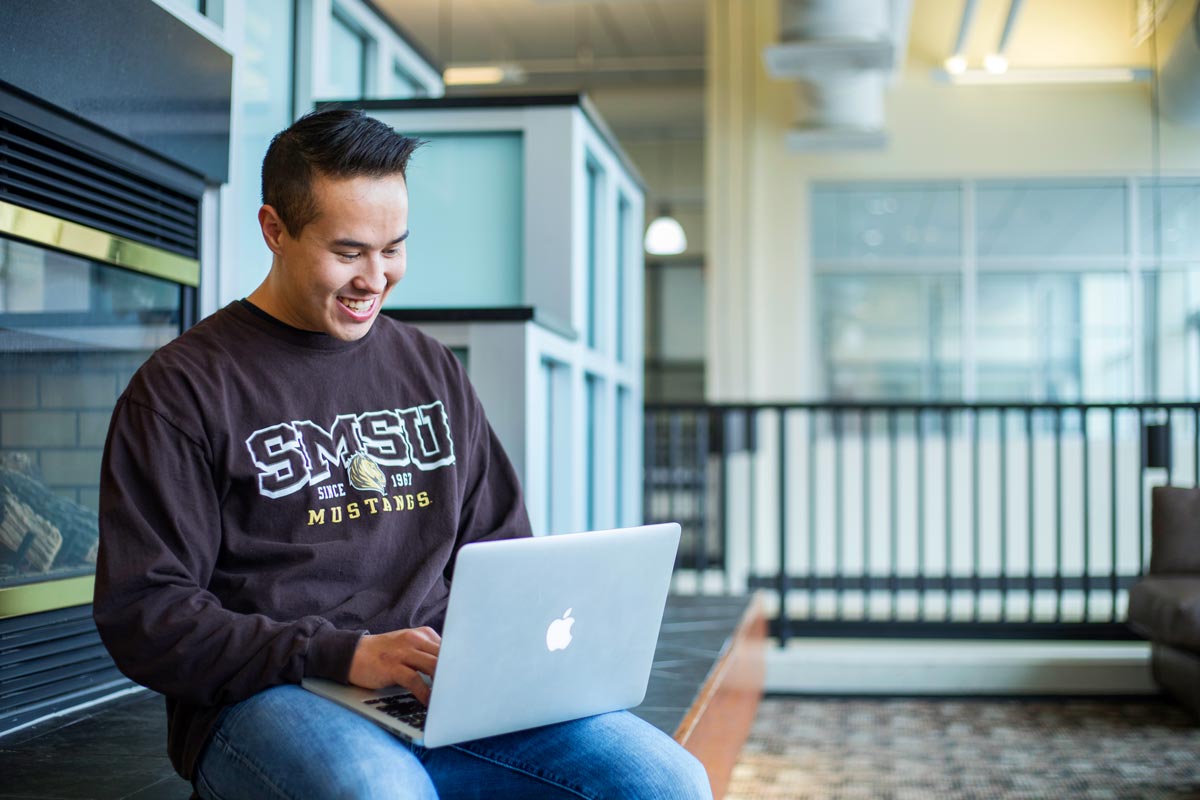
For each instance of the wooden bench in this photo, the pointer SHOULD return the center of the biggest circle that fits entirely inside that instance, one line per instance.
(718, 719)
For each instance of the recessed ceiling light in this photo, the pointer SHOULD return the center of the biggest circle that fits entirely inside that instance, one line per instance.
(995, 63)
(956, 64)
(1058, 75)
(482, 74)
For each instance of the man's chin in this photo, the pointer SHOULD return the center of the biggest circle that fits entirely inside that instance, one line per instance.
(351, 333)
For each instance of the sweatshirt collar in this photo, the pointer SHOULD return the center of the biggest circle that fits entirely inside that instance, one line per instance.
(314, 340)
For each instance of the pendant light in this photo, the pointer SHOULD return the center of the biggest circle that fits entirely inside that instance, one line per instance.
(665, 236)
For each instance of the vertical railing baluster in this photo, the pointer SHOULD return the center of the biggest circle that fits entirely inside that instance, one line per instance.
(947, 519)
(893, 518)
(865, 425)
(839, 536)
(1058, 515)
(921, 515)
(1031, 502)
(723, 417)
(649, 467)
(1141, 490)
(783, 573)
(752, 486)
(700, 499)
(1196, 445)
(1004, 533)
(1087, 517)
(976, 586)
(675, 459)
(1112, 494)
(1170, 446)
(812, 514)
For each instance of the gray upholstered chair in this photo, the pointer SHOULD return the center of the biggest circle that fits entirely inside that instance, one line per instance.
(1164, 606)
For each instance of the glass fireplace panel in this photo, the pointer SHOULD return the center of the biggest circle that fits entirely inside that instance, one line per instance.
(72, 333)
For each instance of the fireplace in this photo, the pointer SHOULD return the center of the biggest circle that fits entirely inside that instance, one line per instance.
(72, 332)
(99, 266)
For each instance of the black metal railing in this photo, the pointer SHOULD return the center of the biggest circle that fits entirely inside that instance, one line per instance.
(1004, 520)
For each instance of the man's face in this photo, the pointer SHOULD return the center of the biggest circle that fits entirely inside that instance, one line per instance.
(334, 276)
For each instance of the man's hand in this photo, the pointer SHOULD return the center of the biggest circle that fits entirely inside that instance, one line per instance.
(396, 658)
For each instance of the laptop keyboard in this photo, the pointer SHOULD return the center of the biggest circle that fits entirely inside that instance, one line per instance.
(403, 707)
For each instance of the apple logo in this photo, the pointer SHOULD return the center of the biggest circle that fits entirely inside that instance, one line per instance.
(558, 635)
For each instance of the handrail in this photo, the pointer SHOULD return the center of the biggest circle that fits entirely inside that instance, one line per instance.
(939, 518)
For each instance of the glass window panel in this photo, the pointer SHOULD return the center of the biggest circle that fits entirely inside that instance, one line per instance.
(347, 60)
(265, 99)
(594, 204)
(467, 223)
(1085, 218)
(561, 501)
(549, 463)
(1064, 335)
(620, 469)
(592, 391)
(1172, 332)
(1053, 336)
(681, 313)
(1177, 205)
(401, 84)
(624, 226)
(886, 221)
(72, 332)
(891, 336)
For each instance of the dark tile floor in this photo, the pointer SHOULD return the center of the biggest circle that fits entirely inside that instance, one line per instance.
(118, 750)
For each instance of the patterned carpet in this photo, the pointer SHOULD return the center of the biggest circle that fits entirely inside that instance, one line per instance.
(926, 749)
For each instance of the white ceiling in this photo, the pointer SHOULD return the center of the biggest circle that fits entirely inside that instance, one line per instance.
(564, 44)
(643, 60)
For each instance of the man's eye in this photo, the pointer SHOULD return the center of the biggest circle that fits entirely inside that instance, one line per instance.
(348, 256)
(391, 252)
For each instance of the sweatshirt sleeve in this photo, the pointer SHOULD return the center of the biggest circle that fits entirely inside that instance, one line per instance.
(160, 535)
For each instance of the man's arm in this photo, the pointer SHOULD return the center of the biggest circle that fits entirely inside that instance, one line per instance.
(160, 534)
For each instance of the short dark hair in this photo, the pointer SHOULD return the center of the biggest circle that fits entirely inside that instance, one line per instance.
(333, 143)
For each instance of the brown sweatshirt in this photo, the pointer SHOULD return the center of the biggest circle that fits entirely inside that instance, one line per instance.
(268, 495)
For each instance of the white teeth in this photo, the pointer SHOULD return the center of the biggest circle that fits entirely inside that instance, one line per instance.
(357, 306)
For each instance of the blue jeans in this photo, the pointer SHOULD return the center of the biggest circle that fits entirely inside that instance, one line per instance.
(288, 743)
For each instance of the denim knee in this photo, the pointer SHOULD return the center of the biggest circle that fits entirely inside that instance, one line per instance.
(680, 778)
(288, 743)
(367, 779)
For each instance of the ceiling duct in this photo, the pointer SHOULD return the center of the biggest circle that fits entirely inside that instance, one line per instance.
(843, 53)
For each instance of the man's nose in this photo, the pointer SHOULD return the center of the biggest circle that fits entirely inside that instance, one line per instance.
(373, 277)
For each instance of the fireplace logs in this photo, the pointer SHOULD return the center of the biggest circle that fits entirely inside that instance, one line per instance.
(39, 530)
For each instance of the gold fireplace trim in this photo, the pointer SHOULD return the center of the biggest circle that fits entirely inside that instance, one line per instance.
(34, 598)
(97, 245)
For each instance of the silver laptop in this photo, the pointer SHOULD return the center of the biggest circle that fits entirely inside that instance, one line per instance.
(537, 631)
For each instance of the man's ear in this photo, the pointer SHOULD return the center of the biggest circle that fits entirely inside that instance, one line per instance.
(273, 229)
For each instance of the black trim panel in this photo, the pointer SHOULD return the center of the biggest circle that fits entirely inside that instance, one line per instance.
(418, 316)
(128, 66)
(50, 173)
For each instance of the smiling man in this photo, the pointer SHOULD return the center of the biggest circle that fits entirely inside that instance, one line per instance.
(284, 490)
